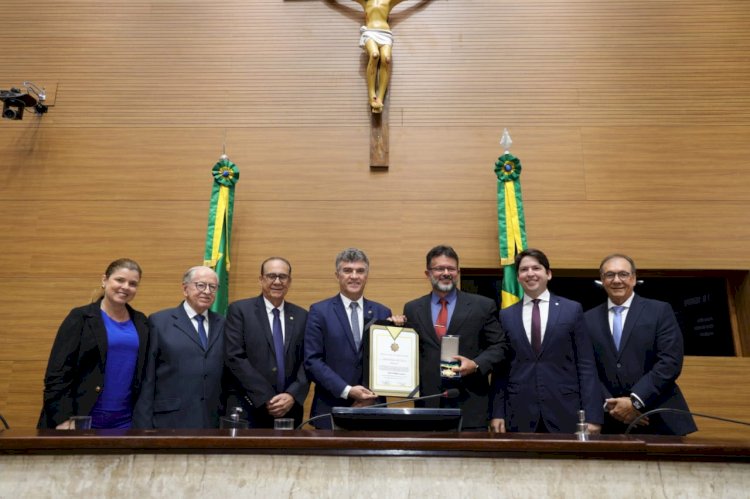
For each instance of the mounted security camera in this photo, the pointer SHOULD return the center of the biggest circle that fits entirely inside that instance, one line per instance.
(15, 101)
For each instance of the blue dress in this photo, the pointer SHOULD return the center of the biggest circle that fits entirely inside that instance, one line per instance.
(114, 407)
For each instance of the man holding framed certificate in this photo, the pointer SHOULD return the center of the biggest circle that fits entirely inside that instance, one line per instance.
(448, 312)
(334, 339)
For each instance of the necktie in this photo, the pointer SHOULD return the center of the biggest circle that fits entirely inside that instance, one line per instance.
(202, 331)
(536, 327)
(355, 324)
(441, 326)
(617, 325)
(278, 346)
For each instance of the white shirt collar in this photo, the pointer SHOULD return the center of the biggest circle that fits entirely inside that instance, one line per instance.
(192, 313)
(270, 306)
(348, 302)
(545, 296)
(627, 303)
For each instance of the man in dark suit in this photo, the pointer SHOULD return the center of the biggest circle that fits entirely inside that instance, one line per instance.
(638, 351)
(333, 339)
(182, 384)
(264, 350)
(482, 342)
(551, 375)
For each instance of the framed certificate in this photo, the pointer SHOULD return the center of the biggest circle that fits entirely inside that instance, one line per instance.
(394, 361)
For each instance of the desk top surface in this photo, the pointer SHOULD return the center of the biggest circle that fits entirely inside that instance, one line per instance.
(438, 444)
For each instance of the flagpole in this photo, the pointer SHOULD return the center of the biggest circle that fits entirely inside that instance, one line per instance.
(510, 220)
(218, 235)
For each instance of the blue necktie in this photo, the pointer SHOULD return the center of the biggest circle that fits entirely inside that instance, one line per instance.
(202, 331)
(617, 325)
(278, 346)
(355, 324)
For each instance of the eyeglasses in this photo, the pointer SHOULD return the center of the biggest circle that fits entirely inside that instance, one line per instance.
(440, 270)
(272, 277)
(204, 287)
(610, 276)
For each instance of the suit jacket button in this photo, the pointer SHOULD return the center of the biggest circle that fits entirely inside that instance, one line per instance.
(274, 369)
(98, 389)
(619, 365)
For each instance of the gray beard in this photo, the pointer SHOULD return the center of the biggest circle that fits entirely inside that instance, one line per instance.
(443, 288)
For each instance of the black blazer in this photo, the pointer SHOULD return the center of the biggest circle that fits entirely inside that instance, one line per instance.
(75, 371)
(481, 339)
(250, 357)
(648, 363)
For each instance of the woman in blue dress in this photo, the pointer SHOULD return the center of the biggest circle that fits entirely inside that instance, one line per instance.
(96, 364)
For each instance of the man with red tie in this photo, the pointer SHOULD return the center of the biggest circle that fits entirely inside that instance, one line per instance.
(482, 342)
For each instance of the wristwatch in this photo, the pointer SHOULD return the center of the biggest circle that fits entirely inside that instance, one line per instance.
(637, 404)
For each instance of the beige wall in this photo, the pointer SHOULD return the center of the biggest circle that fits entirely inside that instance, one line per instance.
(631, 119)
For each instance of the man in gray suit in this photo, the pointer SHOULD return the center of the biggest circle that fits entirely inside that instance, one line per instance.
(263, 350)
(182, 384)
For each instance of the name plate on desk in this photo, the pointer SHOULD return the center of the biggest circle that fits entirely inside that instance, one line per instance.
(394, 361)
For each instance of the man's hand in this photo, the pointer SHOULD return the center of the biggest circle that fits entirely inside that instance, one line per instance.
(279, 405)
(398, 320)
(497, 425)
(594, 429)
(467, 366)
(65, 425)
(361, 394)
(621, 408)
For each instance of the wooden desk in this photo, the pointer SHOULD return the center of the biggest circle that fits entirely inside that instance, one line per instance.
(271, 463)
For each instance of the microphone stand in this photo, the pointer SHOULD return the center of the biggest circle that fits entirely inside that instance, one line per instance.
(680, 411)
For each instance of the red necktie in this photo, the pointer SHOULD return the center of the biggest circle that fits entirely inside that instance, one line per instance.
(536, 327)
(441, 327)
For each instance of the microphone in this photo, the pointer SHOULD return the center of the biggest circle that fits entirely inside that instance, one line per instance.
(680, 411)
(448, 394)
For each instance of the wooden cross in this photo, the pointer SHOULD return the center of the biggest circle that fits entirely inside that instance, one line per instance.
(379, 139)
(377, 40)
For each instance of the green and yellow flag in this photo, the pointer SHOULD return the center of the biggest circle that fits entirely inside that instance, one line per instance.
(216, 256)
(511, 224)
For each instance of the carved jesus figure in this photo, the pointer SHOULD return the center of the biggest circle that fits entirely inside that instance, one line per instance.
(377, 41)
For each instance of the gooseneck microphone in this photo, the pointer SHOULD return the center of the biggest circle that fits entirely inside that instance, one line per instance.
(448, 394)
(680, 411)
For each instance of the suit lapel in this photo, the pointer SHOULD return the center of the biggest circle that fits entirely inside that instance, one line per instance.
(291, 324)
(516, 327)
(636, 307)
(99, 330)
(370, 316)
(213, 329)
(340, 312)
(261, 316)
(183, 323)
(424, 316)
(602, 314)
(461, 311)
(553, 315)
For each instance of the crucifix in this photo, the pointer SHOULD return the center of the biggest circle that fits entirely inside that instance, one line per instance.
(376, 39)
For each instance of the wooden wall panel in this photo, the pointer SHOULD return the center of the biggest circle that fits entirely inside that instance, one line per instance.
(705, 382)
(631, 120)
